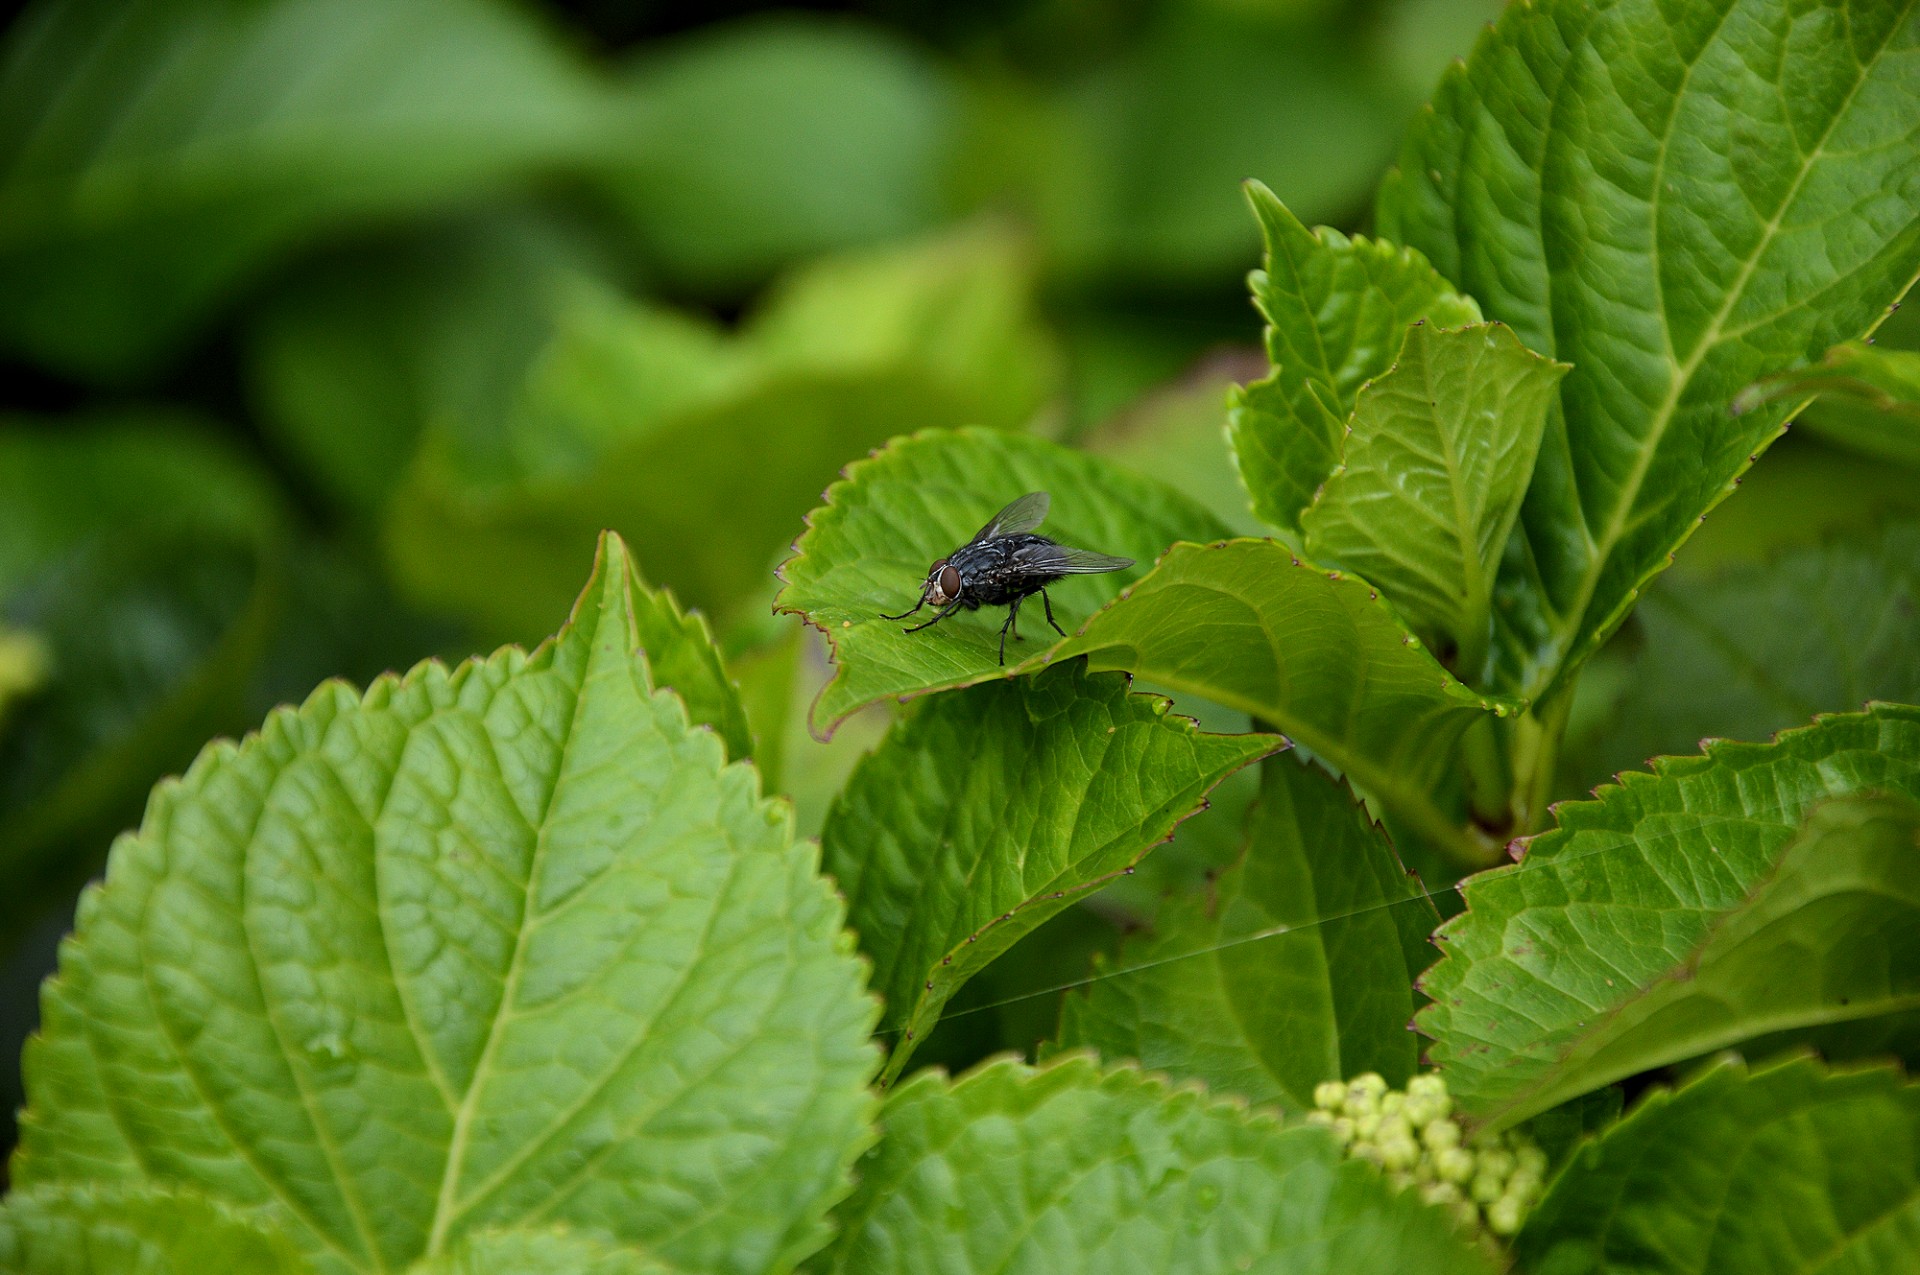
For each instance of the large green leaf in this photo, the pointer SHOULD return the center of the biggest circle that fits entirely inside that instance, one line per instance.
(1827, 937)
(1786, 1170)
(1337, 310)
(1760, 647)
(866, 553)
(142, 553)
(707, 451)
(509, 944)
(1297, 968)
(763, 142)
(154, 154)
(1434, 464)
(135, 1229)
(1662, 880)
(988, 811)
(1317, 654)
(1675, 200)
(1876, 393)
(1070, 1169)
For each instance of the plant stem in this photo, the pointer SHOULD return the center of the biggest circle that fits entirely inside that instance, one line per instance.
(1536, 756)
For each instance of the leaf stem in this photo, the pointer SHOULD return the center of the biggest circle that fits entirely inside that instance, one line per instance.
(1536, 755)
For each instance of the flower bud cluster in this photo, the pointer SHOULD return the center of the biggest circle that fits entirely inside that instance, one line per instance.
(1489, 1182)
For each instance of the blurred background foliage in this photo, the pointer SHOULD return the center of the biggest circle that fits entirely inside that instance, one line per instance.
(332, 331)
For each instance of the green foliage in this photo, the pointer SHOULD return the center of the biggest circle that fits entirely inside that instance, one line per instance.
(1671, 917)
(504, 944)
(1654, 195)
(339, 333)
(135, 1229)
(1083, 1170)
(139, 552)
(985, 813)
(762, 143)
(1782, 1169)
(1435, 462)
(1876, 391)
(128, 218)
(1757, 648)
(1337, 312)
(1294, 968)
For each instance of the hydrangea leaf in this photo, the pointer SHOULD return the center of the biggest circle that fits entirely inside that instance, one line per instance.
(1869, 398)
(1788, 1169)
(990, 810)
(1067, 1169)
(1760, 647)
(1316, 653)
(1296, 969)
(1626, 938)
(477, 948)
(867, 550)
(136, 1229)
(1676, 201)
(525, 1251)
(155, 155)
(1337, 310)
(1433, 468)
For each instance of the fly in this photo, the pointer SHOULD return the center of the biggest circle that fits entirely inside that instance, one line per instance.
(1004, 564)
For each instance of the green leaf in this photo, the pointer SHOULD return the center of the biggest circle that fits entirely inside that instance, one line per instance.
(154, 155)
(1757, 648)
(762, 142)
(504, 945)
(1316, 654)
(539, 1252)
(143, 554)
(1877, 390)
(129, 1229)
(1435, 462)
(1619, 942)
(1337, 311)
(707, 452)
(866, 553)
(1675, 201)
(1069, 1169)
(1824, 938)
(985, 813)
(1298, 968)
(1783, 1170)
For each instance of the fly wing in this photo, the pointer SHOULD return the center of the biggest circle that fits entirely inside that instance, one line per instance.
(1022, 515)
(1052, 559)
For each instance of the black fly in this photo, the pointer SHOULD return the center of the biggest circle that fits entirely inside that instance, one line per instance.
(1004, 564)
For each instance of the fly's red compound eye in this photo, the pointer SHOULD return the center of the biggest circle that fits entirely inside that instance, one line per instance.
(950, 581)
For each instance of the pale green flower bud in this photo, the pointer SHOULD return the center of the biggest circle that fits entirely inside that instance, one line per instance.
(1399, 1153)
(1486, 1187)
(1504, 1215)
(1392, 1102)
(1343, 1128)
(1329, 1095)
(1454, 1164)
(1365, 1089)
(1322, 1118)
(1496, 1162)
(1440, 1193)
(1441, 1134)
(1530, 1160)
(1465, 1213)
(1366, 1124)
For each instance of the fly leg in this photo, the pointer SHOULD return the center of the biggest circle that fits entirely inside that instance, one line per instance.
(935, 620)
(1013, 613)
(904, 614)
(1048, 603)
